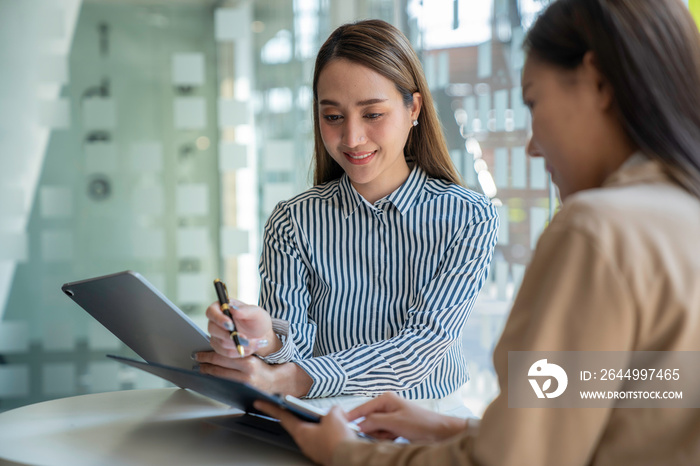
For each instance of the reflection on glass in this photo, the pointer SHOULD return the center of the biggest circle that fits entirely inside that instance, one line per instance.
(485, 123)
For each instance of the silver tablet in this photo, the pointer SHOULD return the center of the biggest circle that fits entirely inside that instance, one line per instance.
(141, 317)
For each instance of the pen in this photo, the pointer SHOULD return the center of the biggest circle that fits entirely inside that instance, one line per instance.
(222, 294)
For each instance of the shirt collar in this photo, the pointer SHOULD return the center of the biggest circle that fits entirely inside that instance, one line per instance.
(636, 169)
(403, 198)
(408, 193)
(348, 197)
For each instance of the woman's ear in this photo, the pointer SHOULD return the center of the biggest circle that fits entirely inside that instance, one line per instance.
(416, 105)
(602, 88)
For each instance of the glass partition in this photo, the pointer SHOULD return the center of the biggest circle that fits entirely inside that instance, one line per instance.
(472, 55)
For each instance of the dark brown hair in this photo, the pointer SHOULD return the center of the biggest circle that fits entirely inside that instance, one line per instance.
(382, 48)
(649, 51)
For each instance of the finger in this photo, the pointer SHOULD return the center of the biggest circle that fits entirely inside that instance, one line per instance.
(216, 315)
(380, 422)
(224, 345)
(238, 304)
(203, 356)
(216, 331)
(250, 347)
(234, 361)
(385, 402)
(381, 435)
(336, 415)
(244, 313)
(224, 348)
(224, 373)
(255, 344)
(254, 322)
(230, 349)
(218, 359)
(337, 412)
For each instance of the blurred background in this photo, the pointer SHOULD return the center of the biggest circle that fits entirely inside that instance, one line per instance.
(157, 136)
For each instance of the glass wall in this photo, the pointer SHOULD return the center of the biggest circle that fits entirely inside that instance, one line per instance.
(472, 56)
(158, 136)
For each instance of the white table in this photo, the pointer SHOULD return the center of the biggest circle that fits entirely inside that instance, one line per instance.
(136, 427)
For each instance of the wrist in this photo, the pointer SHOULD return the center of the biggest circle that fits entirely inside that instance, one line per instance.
(290, 379)
(299, 382)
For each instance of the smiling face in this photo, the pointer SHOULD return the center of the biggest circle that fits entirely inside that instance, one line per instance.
(574, 124)
(364, 124)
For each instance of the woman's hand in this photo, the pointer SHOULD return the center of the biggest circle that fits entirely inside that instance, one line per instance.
(287, 378)
(317, 441)
(390, 416)
(253, 325)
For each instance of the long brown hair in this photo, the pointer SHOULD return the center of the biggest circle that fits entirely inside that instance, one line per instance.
(649, 51)
(382, 48)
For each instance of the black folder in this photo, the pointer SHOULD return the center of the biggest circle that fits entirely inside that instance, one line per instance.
(236, 394)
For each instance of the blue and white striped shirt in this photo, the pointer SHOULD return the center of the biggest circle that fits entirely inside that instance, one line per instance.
(376, 296)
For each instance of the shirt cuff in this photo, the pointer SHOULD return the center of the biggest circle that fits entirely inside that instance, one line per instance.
(286, 353)
(328, 377)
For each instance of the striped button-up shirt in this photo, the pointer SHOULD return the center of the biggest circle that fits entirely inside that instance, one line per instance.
(374, 297)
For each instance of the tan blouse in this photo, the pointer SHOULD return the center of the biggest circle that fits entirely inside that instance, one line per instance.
(618, 269)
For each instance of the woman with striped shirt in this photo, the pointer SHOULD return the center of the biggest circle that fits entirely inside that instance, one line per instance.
(369, 276)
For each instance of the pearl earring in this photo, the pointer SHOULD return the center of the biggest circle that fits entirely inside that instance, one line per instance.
(415, 122)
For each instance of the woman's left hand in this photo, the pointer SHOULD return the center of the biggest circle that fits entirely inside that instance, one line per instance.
(250, 370)
(316, 441)
(287, 378)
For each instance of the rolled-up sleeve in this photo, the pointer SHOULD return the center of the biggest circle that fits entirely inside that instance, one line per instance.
(284, 288)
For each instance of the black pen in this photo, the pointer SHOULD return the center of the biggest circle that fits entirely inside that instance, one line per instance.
(222, 294)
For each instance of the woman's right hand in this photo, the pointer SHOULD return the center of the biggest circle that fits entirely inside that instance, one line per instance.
(253, 324)
(389, 416)
(256, 335)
